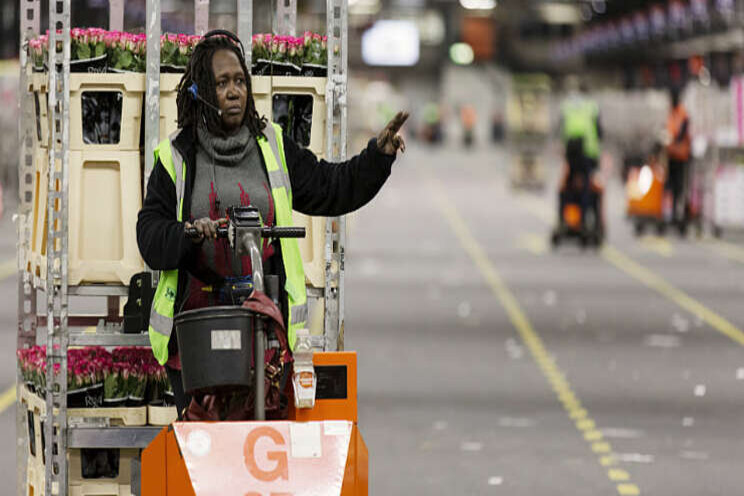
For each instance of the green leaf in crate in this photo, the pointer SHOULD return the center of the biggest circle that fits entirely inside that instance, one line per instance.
(100, 49)
(125, 60)
(83, 51)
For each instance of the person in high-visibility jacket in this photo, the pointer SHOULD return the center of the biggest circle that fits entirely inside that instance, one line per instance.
(580, 122)
(679, 152)
(224, 154)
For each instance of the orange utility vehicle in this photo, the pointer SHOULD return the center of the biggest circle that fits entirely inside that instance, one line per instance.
(317, 451)
(645, 193)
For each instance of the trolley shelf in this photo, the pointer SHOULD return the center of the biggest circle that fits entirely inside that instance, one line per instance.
(112, 339)
(111, 437)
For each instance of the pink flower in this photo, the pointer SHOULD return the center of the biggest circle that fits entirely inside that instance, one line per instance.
(194, 40)
(172, 38)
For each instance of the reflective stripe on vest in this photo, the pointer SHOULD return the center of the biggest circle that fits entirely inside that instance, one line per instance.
(162, 312)
(272, 147)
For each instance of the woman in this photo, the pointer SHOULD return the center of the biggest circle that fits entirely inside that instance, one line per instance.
(223, 155)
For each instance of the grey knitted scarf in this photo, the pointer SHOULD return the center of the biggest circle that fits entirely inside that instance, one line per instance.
(228, 151)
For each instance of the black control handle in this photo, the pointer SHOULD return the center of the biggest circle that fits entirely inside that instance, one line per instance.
(192, 233)
(283, 232)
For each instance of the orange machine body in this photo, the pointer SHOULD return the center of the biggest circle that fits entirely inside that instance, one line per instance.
(318, 451)
(645, 192)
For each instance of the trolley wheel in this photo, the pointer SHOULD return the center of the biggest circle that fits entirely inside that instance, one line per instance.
(661, 227)
(639, 228)
(555, 239)
(682, 228)
(717, 232)
(698, 229)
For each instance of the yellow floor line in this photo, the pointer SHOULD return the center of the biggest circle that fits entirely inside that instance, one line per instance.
(657, 283)
(7, 398)
(8, 268)
(653, 281)
(532, 340)
(728, 250)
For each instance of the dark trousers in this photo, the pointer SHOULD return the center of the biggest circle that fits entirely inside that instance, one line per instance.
(676, 184)
(182, 399)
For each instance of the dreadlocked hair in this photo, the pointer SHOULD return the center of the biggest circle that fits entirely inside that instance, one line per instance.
(199, 71)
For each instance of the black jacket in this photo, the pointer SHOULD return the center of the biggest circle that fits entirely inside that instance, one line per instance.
(318, 188)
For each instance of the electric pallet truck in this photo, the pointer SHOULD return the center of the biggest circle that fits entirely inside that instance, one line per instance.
(318, 450)
(579, 204)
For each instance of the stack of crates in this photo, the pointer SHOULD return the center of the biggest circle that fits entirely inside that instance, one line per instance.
(114, 480)
(105, 179)
(105, 188)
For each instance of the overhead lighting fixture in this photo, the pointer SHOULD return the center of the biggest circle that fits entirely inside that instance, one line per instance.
(364, 7)
(461, 54)
(391, 43)
(478, 4)
(560, 13)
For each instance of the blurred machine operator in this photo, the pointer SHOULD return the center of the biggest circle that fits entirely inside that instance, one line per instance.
(225, 154)
(580, 122)
(678, 152)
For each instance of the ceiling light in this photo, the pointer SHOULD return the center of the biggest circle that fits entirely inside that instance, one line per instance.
(461, 54)
(478, 4)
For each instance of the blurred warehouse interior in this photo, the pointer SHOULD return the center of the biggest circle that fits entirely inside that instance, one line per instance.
(436, 57)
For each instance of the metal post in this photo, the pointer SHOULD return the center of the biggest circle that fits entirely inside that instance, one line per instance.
(55, 424)
(30, 11)
(336, 117)
(286, 17)
(116, 15)
(201, 16)
(245, 28)
(152, 94)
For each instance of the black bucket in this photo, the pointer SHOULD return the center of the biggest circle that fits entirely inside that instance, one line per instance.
(216, 348)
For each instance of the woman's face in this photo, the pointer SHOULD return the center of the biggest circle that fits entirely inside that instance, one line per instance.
(232, 89)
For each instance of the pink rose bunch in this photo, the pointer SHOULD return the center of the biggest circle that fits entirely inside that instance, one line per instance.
(307, 49)
(176, 49)
(126, 373)
(125, 51)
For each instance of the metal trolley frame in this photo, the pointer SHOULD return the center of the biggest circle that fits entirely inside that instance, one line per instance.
(60, 434)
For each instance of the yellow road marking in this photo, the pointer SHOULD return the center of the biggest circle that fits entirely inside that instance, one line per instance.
(728, 250)
(8, 268)
(7, 398)
(617, 474)
(655, 282)
(534, 243)
(658, 245)
(529, 336)
(628, 490)
(678, 296)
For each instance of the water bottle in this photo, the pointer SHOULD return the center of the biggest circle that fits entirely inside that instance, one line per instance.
(303, 377)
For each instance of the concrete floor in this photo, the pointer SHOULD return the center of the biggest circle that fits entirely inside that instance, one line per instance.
(490, 364)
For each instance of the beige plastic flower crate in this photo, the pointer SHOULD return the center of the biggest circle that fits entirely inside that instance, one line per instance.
(261, 86)
(131, 85)
(78, 486)
(37, 85)
(168, 106)
(37, 243)
(105, 197)
(315, 87)
(161, 415)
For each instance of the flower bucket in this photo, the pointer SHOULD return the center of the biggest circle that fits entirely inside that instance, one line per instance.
(91, 65)
(314, 70)
(172, 69)
(88, 397)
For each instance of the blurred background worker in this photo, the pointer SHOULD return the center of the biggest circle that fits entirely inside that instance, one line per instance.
(580, 124)
(468, 118)
(678, 152)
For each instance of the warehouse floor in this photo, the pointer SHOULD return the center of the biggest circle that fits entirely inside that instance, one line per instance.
(490, 364)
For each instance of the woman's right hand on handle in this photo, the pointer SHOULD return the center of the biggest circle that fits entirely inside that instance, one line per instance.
(206, 227)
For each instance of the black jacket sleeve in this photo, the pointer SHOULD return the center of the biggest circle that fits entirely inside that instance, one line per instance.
(159, 235)
(329, 189)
